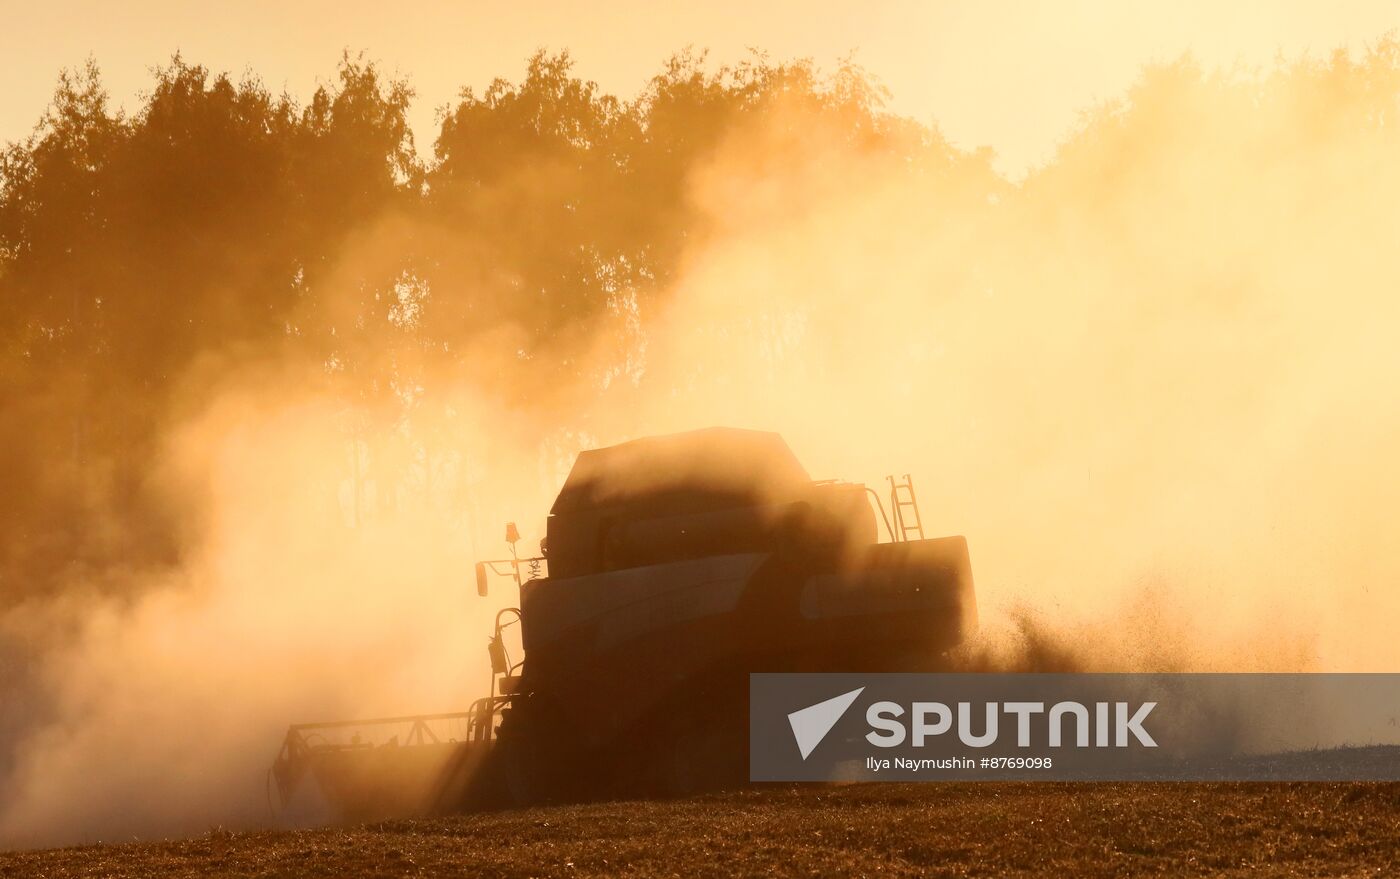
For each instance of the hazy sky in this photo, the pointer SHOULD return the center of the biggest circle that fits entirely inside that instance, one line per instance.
(1011, 75)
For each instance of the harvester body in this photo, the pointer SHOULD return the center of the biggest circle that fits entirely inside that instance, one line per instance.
(676, 566)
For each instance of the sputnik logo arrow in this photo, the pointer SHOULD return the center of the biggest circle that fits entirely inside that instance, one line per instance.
(811, 724)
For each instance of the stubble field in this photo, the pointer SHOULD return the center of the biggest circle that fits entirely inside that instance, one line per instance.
(986, 829)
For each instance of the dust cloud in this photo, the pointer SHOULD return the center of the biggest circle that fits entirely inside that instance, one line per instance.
(1161, 371)
(1155, 384)
(163, 709)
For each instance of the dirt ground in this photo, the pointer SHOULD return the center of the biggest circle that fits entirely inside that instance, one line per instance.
(861, 830)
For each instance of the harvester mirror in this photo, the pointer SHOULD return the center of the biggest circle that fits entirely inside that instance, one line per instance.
(512, 533)
(481, 578)
(497, 649)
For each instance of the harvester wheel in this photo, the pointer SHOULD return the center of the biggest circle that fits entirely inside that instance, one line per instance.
(710, 752)
(520, 780)
(530, 767)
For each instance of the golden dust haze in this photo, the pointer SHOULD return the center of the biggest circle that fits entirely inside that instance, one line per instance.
(1155, 383)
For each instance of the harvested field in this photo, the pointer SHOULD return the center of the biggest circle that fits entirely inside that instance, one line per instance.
(989, 829)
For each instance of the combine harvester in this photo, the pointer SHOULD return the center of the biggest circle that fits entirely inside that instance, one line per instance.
(672, 567)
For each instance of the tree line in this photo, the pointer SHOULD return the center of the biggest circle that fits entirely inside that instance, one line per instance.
(145, 255)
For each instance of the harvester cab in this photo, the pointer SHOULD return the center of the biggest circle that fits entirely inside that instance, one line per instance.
(672, 567)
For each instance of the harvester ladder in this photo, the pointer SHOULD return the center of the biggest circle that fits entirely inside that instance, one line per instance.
(904, 504)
